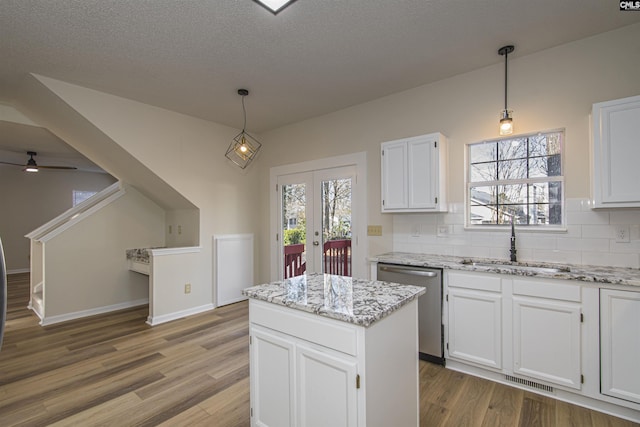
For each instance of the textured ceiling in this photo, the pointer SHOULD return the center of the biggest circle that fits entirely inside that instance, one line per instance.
(315, 57)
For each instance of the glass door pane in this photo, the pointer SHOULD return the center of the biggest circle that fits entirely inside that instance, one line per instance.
(335, 203)
(294, 230)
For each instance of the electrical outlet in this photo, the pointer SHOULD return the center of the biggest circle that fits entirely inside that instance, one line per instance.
(179, 229)
(442, 231)
(170, 229)
(187, 288)
(622, 233)
(415, 230)
(374, 230)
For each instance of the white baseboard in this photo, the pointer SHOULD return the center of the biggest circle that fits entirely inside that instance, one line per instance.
(18, 271)
(622, 409)
(50, 320)
(156, 320)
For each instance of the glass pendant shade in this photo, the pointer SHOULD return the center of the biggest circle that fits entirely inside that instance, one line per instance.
(243, 149)
(506, 122)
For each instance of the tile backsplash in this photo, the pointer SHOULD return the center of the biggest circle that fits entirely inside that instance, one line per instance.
(590, 237)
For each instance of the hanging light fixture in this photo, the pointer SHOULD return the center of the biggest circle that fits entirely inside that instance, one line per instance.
(506, 117)
(244, 147)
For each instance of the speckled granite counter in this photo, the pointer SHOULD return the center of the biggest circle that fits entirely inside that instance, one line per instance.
(139, 255)
(584, 273)
(357, 301)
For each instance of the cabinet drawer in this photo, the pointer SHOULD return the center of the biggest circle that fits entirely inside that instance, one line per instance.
(482, 282)
(547, 289)
(329, 333)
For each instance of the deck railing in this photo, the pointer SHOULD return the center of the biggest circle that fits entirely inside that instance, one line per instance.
(294, 265)
(336, 258)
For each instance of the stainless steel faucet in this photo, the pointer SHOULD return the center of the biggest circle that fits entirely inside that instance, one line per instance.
(513, 243)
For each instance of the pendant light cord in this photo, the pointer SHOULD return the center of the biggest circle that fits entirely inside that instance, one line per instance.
(506, 54)
(244, 113)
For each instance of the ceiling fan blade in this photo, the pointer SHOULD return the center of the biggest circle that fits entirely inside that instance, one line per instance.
(13, 164)
(57, 167)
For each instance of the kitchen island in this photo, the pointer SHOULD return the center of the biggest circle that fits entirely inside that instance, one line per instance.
(333, 350)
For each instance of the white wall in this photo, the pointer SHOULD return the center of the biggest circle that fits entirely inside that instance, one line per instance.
(28, 200)
(551, 89)
(187, 155)
(86, 266)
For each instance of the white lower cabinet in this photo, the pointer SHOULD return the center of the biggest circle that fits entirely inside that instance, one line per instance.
(326, 380)
(475, 326)
(532, 324)
(273, 378)
(546, 340)
(308, 370)
(620, 344)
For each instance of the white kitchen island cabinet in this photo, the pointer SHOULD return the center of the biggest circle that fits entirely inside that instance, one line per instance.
(333, 351)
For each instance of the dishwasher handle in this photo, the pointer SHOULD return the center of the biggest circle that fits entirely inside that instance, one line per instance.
(409, 271)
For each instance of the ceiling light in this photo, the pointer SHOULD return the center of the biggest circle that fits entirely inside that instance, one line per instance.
(506, 118)
(31, 165)
(275, 6)
(244, 148)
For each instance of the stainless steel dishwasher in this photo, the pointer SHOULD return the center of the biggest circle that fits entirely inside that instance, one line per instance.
(429, 305)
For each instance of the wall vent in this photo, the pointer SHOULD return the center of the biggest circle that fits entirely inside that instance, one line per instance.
(529, 383)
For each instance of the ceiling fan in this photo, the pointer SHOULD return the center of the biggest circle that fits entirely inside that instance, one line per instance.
(32, 166)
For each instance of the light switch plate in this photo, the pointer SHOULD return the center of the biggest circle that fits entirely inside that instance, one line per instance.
(374, 230)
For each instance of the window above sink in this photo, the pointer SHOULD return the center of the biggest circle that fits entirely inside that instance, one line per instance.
(518, 179)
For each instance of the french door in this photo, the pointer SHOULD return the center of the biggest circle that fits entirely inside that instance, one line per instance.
(316, 220)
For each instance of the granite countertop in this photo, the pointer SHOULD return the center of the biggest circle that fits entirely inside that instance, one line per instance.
(584, 273)
(141, 254)
(357, 301)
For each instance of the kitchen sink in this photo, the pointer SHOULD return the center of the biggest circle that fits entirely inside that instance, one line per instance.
(520, 267)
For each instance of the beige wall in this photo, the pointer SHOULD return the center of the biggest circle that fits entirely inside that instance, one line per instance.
(551, 89)
(28, 200)
(186, 154)
(86, 266)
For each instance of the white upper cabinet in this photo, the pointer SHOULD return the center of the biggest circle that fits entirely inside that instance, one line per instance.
(616, 150)
(414, 174)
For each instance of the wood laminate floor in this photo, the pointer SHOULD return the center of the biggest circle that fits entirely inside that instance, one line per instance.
(114, 370)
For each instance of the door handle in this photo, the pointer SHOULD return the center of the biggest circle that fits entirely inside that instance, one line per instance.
(409, 271)
(316, 243)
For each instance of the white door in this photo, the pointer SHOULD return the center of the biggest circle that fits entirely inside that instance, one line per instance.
(272, 380)
(546, 340)
(317, 216)
(620, 341)
(475, 326)
(326, 380)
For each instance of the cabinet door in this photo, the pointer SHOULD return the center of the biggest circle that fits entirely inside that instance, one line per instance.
(422, 173)
(326, 379)
(394, 175)
(546, 340)
(272, 379)
(475, 326)
(620, 341)
(616, 126)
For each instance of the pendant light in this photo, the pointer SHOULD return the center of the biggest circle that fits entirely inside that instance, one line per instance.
(506, 118)
(244, 147)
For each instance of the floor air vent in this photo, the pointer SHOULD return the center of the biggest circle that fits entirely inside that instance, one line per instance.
(529, 383)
